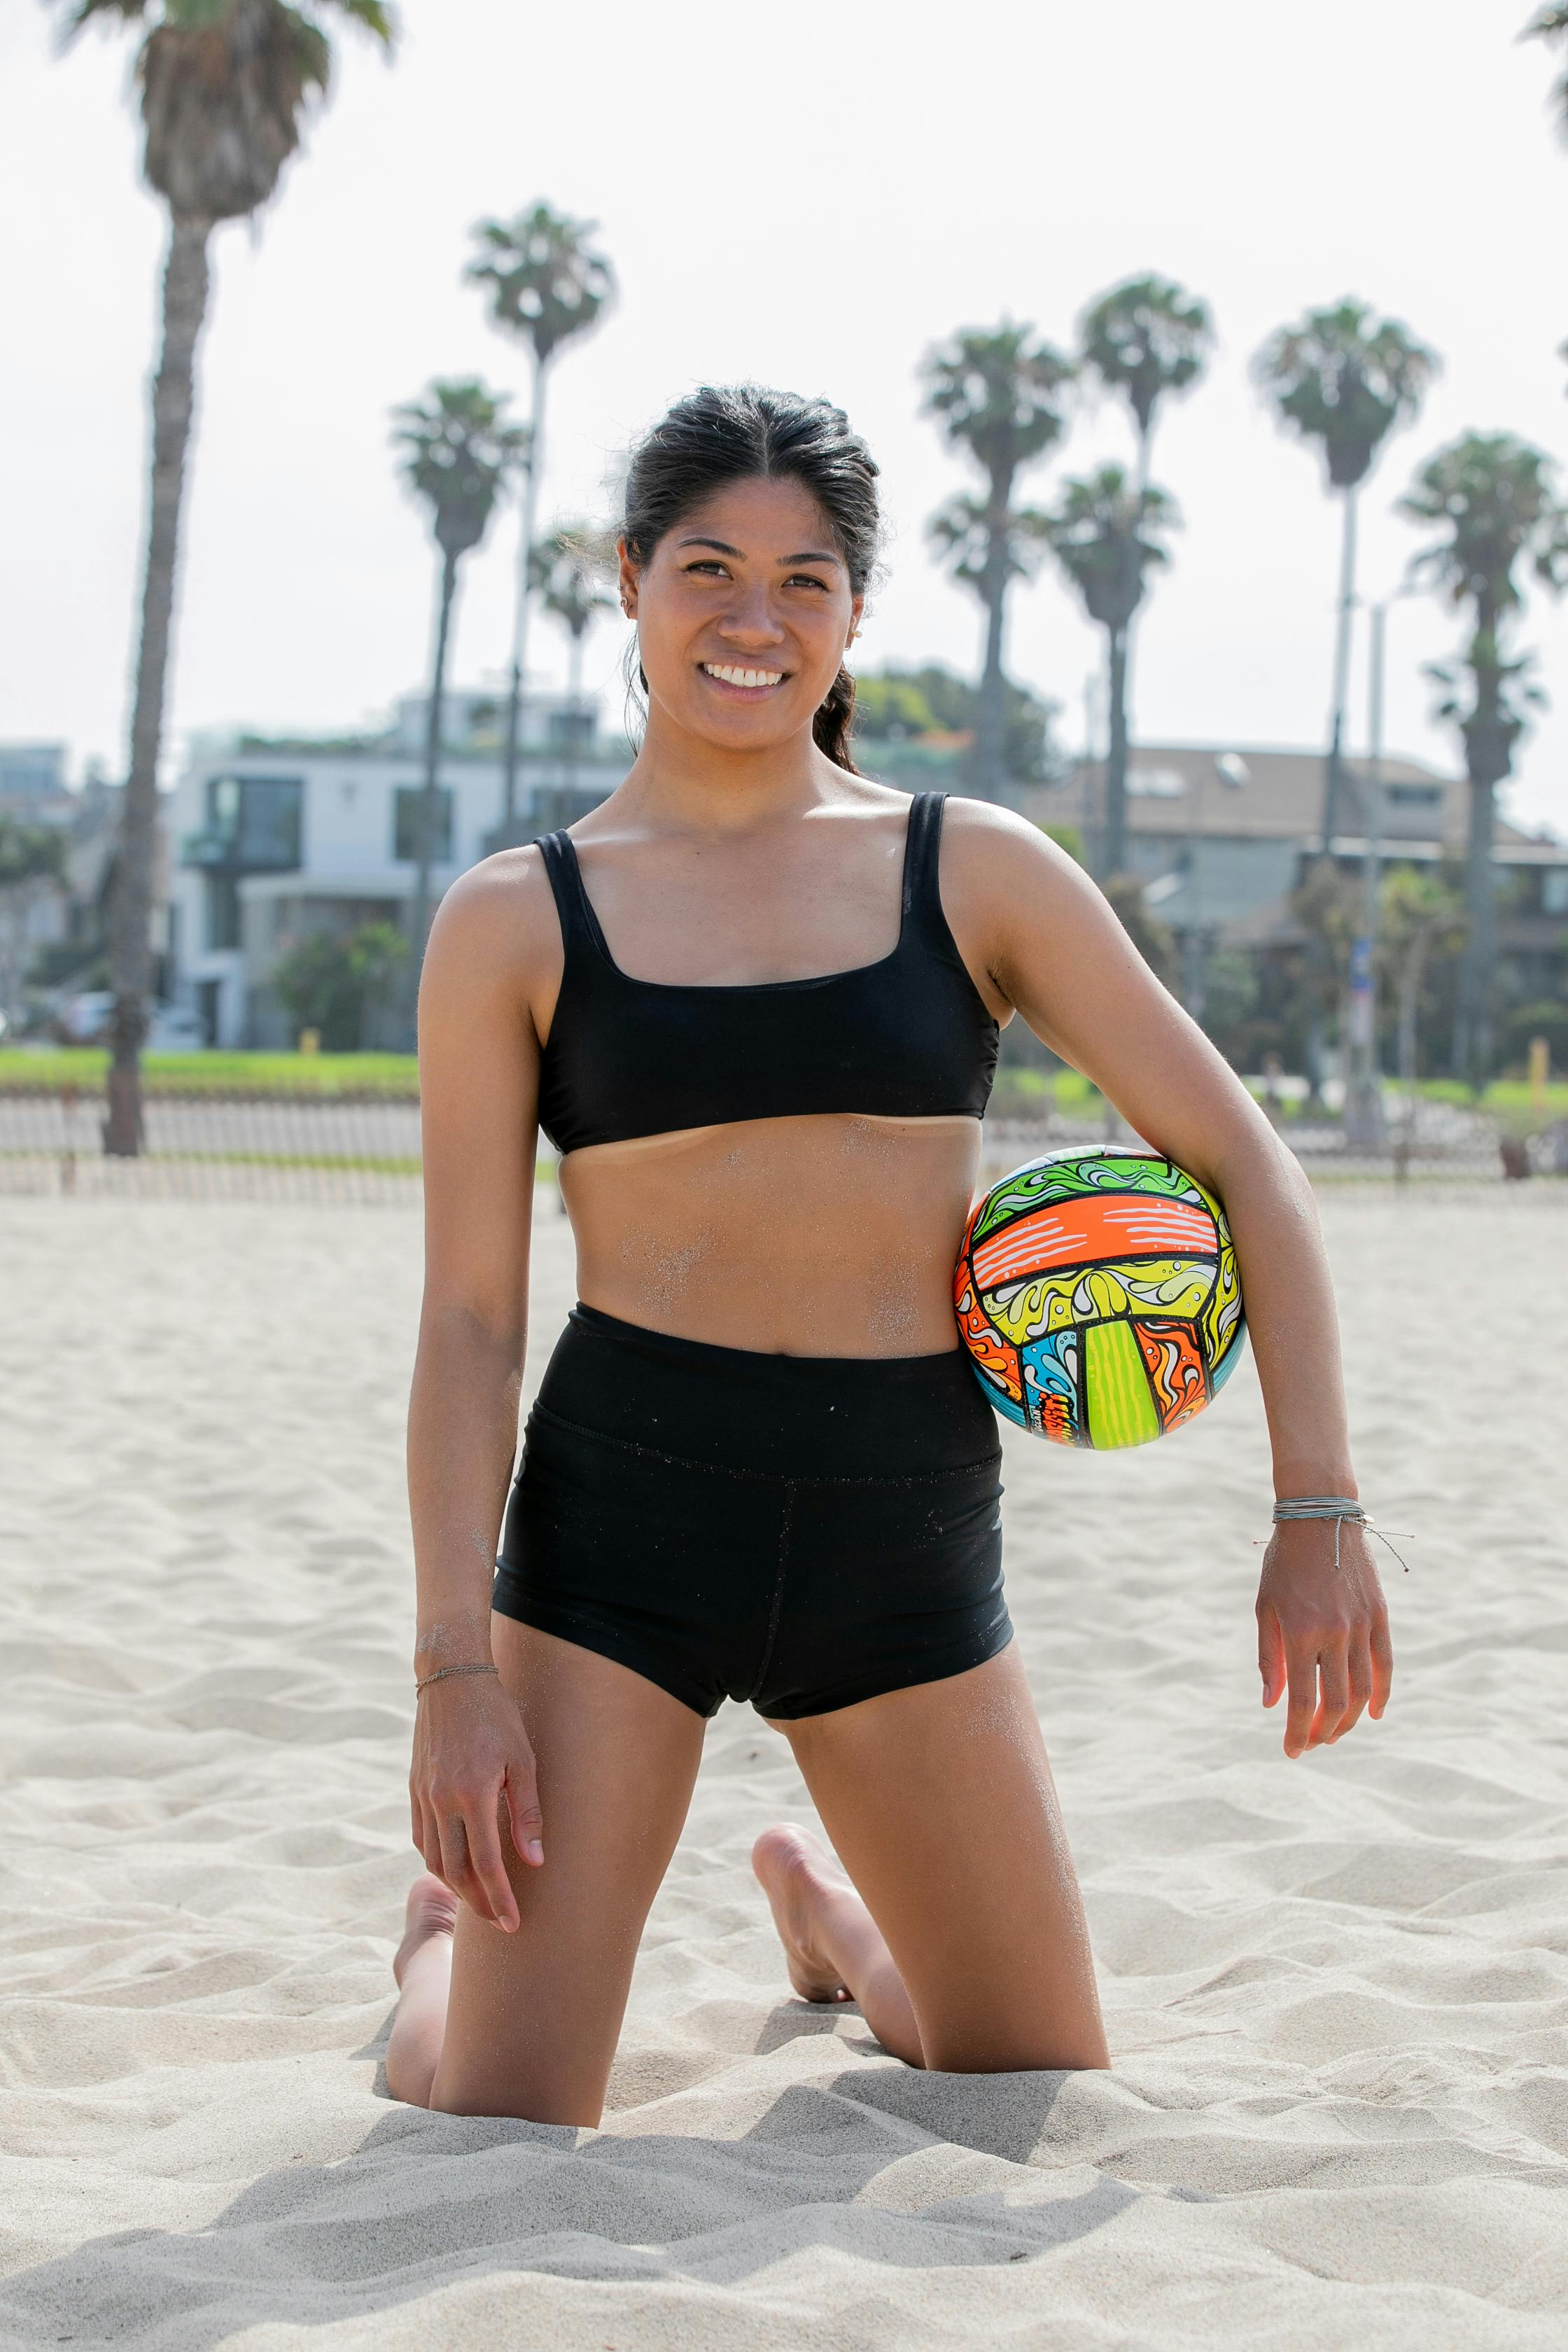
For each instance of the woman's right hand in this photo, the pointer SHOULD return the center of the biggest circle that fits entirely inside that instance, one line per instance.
(471, 1755)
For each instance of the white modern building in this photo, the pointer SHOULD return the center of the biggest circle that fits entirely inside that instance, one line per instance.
(275, 839)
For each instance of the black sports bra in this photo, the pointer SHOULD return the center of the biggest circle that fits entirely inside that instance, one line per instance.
(907, 1038)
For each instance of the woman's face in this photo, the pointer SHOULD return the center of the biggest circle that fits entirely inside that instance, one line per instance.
(744, 612)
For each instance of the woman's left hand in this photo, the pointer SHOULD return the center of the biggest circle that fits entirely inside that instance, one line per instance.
(1319, 1623)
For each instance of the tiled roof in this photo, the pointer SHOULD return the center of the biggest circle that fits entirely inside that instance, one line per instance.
(1244, 792)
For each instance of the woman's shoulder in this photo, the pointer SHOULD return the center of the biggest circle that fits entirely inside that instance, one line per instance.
(498, 918)
(985, 844)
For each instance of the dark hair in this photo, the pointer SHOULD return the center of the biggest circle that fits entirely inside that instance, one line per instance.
(737, 433)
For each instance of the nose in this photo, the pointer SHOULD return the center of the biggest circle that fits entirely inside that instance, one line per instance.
(750, 620)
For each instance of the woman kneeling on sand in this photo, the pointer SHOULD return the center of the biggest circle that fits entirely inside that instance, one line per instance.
(753, 1000)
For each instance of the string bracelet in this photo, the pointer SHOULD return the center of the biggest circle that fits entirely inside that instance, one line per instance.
(441, 1674)
(1337, 1508)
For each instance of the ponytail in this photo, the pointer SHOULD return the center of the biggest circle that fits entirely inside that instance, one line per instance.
(832, 727)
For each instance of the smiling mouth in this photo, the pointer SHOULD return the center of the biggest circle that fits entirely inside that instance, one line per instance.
(728, 674)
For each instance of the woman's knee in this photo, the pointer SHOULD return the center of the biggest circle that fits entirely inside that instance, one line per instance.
(963, 2047)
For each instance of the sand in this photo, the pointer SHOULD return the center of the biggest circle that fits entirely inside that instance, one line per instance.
(1336, 1990)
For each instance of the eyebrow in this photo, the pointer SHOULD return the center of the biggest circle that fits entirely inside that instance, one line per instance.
(807, 556)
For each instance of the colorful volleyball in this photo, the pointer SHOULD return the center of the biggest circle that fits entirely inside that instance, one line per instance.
(1097, 1295)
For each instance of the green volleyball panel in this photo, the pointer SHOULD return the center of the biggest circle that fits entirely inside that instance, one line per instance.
(1120, 1405)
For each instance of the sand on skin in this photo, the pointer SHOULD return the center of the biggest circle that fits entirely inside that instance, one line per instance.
(1336, 1990)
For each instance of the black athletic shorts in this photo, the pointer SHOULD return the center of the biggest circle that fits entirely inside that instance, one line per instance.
(801, 1531)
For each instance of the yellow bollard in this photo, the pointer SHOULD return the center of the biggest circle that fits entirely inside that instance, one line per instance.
(310, 1041)
(1539, 1071)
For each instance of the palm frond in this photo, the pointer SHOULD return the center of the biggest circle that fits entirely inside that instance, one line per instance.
(1344, 379)
(546, 279)
(997, 392)
(371, 15)
(1144, 339)
(1551, 24)
(1106, 535)
(457, 451)
(226, 85)
(1492, 498)
(81, 12)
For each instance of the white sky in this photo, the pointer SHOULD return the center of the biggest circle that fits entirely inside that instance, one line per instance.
(808, 196)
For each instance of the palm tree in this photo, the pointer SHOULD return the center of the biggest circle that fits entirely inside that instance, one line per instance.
(1551, 24)
(457, 453)
(1493, 499)
(224, 85)
(546, 284)
(996, 395)
(1145, 340)
(570, 569)
(1343, 379)
(1105, 532)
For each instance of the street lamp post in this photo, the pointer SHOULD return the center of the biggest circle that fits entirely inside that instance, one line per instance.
(1233, 772)
(1192, 957)
(1365, 1125)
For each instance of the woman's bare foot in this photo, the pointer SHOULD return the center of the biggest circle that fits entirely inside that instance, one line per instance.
(802, 1886)
(431, 1910)
(423, 1967)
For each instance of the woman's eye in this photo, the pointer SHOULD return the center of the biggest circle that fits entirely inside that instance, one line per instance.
(707, 563)
(805, 580)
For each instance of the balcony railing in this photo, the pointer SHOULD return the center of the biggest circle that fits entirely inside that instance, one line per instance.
(209, 848)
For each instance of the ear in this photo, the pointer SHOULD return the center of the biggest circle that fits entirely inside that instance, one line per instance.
(629, 577)
(857, 615)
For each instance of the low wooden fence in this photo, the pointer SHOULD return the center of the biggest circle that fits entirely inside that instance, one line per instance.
(365, 1149)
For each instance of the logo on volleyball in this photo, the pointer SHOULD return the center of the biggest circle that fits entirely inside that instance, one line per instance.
(1097, 1295)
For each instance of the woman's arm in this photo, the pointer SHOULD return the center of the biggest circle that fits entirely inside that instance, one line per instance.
(478, 1076)
(1053, 949)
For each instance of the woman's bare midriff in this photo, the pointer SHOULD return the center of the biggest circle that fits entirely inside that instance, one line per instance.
(826, 1235)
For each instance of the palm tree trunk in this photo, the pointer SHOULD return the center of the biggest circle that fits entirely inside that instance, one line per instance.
(511, 756)
(1116, 762)
(1472, 1038)
(1488, 746)
(1145, 460)
(1333, 766)
(186, 283)
(991, 716)
(430, 812)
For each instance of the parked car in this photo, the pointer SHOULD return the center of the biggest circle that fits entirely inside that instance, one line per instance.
(174, 1029)
(84, 1018)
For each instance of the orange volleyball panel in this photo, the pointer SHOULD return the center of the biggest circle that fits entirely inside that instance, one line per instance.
(1176, 1370)
(1084, 1232)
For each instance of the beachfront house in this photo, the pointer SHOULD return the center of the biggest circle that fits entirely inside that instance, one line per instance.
(274, 837)
(1221, 834)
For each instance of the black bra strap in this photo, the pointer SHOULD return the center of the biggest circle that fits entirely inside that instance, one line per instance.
(923, 898)
(578, 929)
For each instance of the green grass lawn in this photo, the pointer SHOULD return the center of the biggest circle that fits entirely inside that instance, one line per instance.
(1019, 1092)
(393, 1077)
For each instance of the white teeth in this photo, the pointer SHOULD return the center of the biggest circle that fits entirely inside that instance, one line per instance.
(732, 677)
